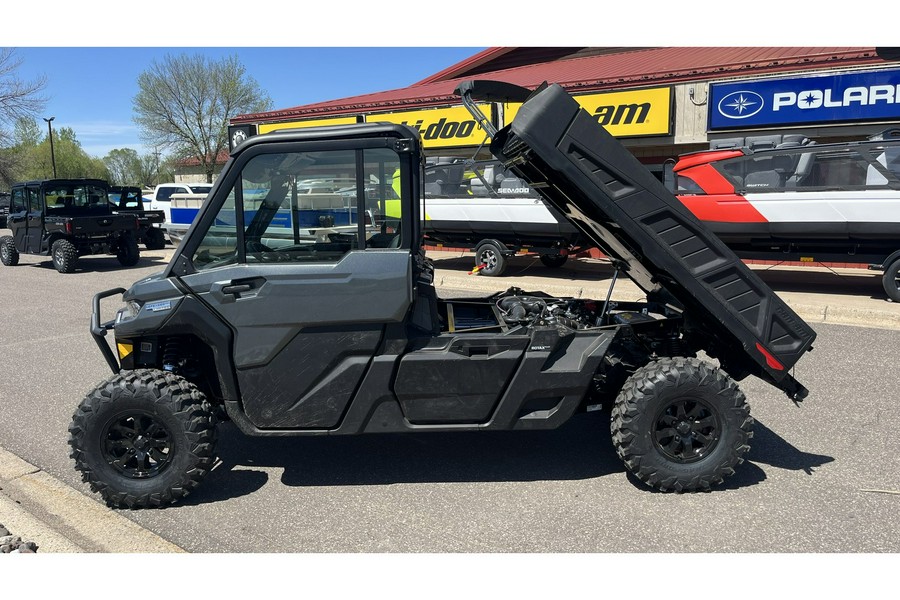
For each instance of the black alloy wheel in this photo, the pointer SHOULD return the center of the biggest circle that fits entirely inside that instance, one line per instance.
(686, 430)
(137, 445)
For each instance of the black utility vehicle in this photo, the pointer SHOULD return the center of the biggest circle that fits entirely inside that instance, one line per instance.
(337, 334)
(65, 219)
(129, 200)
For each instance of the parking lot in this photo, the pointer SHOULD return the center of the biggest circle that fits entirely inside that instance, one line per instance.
(821, 477)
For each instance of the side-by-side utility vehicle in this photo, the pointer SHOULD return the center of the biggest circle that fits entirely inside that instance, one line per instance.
(289, 335)
(66, 219)
(128, 200)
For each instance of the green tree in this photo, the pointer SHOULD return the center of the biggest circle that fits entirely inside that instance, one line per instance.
(35, 161)
(124, 166)
(184, 104)
(18, 99)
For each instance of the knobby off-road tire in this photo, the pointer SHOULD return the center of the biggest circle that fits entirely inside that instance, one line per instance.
(128, 253)
(681, 425)
(890, 281)
(9, 255)
(154, 239)
(143, 438)
(64, 255)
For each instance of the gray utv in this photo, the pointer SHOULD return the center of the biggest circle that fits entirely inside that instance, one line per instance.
(296, 312)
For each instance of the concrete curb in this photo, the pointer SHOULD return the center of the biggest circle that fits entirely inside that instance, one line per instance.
(39, 508)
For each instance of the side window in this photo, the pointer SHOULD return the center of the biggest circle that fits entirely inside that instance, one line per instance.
(301, 207)
(384, 210)
(34, 200)
(17, 202)
(165, 193)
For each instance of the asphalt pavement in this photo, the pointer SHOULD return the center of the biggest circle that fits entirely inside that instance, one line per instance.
(38, 507)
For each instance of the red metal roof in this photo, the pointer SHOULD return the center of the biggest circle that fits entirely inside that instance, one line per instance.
(618, 70)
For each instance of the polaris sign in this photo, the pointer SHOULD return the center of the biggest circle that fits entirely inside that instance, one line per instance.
(864, 96)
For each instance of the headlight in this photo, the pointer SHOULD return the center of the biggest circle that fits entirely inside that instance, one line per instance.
(129, 311)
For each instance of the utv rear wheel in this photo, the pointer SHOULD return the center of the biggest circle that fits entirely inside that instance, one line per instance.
(155, 239)
(143, 438)
(64, 255)
(681, 425)
(128, 253)
(890, 281)
(9, 255)
(489, 256)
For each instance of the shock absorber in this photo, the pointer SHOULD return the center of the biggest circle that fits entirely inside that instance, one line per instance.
(171, 354)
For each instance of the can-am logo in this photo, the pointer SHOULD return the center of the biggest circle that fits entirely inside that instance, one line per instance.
(862, 96)
(740, 105)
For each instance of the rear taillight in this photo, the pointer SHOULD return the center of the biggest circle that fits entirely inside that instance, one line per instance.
(69, 227)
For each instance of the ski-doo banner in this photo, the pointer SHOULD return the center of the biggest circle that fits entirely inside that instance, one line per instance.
(440, 127)
(835, 98)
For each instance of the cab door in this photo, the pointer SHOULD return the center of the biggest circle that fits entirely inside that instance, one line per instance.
(17, 221)
(308, 305)
(35, 220)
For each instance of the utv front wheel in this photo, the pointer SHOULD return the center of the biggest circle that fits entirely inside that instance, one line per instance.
(64, 255)
(143, 438)
(681, 425)
(9, 255)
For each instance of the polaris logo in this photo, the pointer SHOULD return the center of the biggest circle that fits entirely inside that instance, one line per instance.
(740, 105)
(622, 114)
(861, 96)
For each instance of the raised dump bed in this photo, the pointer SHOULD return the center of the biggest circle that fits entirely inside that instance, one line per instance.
(586, 174)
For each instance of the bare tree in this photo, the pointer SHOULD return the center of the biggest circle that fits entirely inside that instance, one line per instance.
(184, 103)
(18, 100)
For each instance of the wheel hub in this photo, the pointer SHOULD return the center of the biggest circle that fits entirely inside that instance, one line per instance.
(686, 430)
(137, 445)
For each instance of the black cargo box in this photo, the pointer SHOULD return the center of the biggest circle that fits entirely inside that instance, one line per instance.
(619, 205)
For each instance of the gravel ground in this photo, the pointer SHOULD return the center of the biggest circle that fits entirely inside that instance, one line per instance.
(13, 544)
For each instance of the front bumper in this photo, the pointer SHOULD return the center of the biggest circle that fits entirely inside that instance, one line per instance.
(99, 329)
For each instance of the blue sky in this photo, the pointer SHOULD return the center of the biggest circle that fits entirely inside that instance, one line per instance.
(91, 89)
(308, 52)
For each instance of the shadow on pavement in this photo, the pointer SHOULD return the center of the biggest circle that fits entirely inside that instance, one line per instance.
(101, 264)
(581, 449)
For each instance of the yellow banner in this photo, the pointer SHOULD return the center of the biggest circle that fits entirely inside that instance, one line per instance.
(623, 114)
(439, 127)
(267, 127)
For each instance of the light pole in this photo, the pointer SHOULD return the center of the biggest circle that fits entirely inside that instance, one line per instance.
(50, 134)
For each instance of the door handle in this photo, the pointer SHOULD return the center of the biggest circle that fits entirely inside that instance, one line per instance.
(237, 289)
(230, 291)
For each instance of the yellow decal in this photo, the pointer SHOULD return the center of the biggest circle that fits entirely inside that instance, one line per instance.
(439, 127)
(807, 259)
(124, 349)
(623, 114)
(267, 127)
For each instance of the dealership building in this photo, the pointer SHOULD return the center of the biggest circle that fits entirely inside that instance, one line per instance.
(659, 102)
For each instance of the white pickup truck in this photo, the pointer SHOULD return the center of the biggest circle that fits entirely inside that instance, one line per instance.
(161, 199)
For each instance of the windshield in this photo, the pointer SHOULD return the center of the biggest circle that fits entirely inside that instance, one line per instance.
(81, 197)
